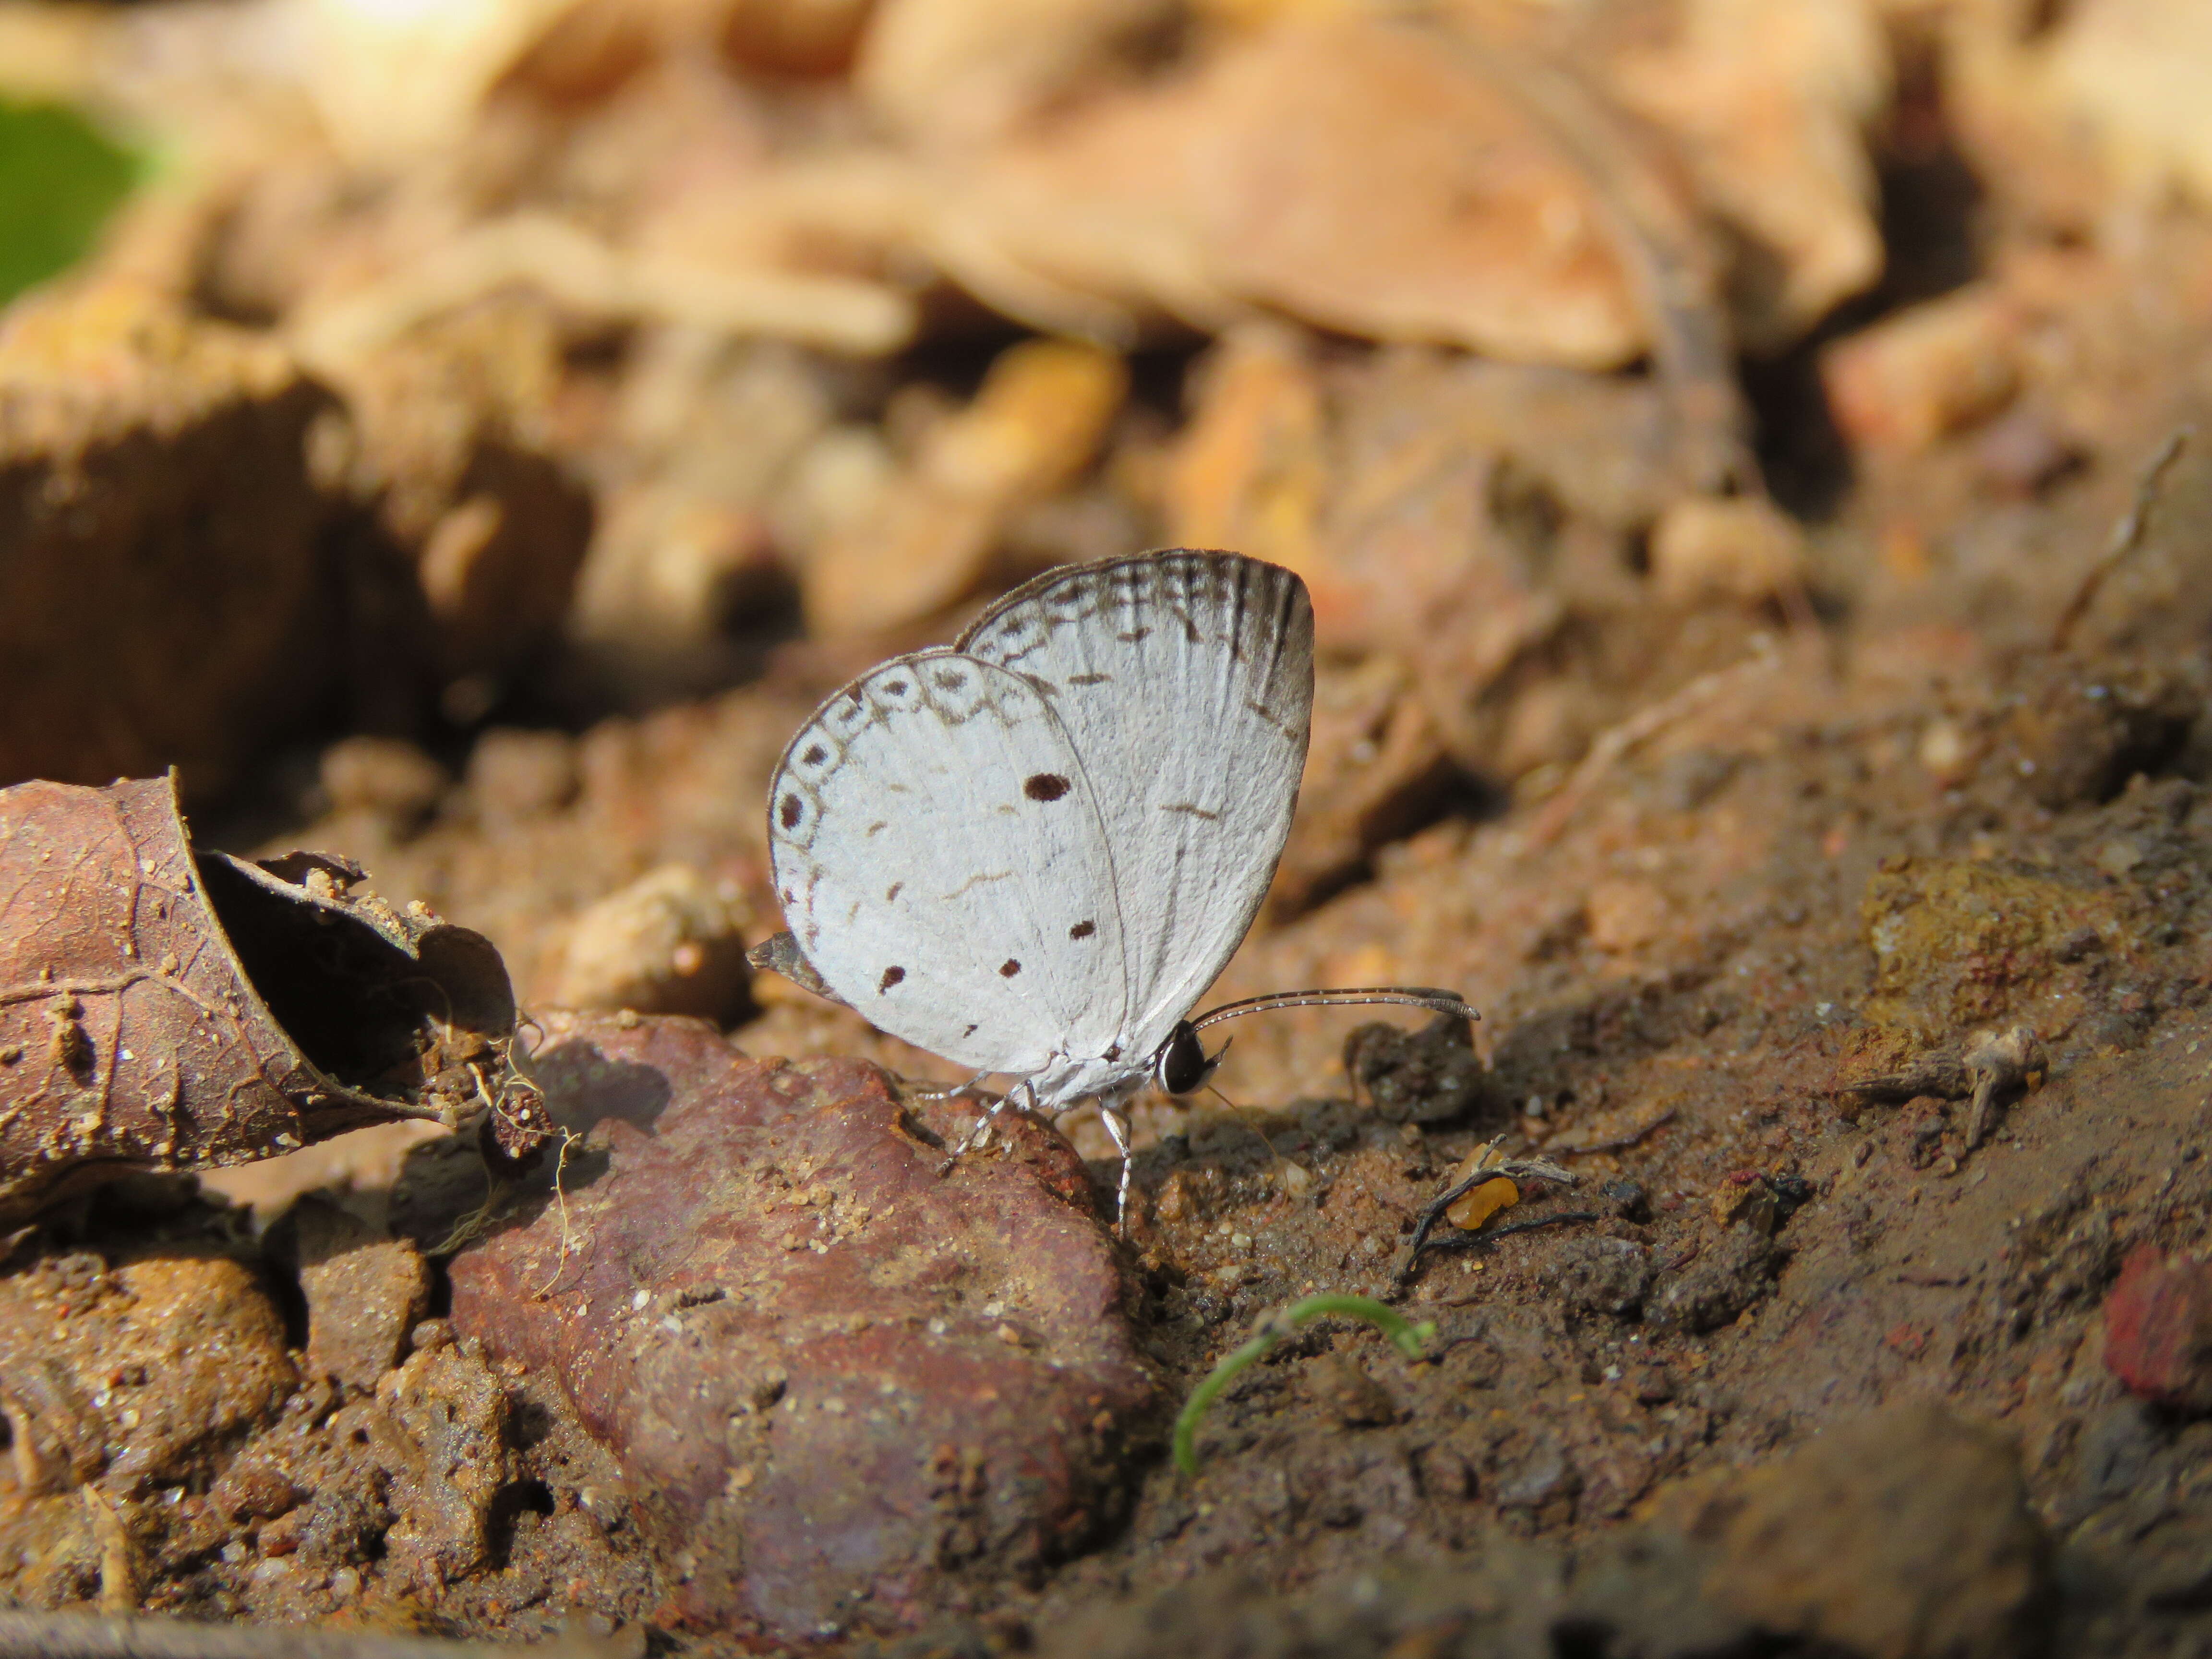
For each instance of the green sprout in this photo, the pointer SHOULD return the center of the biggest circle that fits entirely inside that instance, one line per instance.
(1272, 1328)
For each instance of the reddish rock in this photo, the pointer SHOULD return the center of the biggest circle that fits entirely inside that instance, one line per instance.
(2158, 1329)
(840, 1385)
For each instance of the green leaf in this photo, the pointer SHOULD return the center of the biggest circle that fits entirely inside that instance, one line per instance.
(60, 178)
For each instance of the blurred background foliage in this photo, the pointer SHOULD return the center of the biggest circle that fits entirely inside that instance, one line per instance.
(61, 176)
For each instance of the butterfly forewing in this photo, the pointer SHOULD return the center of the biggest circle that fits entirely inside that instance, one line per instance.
(943, 862)
(1185, 680)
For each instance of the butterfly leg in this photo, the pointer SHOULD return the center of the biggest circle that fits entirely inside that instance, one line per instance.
(984, 1119)
(920, 1091)
(1117, 1127)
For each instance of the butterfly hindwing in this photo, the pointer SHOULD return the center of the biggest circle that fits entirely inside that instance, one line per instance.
(943, 862)
(1185, 680)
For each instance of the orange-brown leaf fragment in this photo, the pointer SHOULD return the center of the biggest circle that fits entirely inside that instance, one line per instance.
(1473, 1212)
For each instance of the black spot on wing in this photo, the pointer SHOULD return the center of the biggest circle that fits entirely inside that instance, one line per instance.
(1083, 930)
(1044, 785)
(815, 754)
(1009, 968)
(951, 679)
(1089, 679)
(897, 887)
(788, 814)
(891, 976)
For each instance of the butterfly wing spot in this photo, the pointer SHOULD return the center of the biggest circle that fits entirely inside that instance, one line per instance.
(1044, 785)
(891, 976)
(1009, 968)
(972, 881)
(1133, 636)
(969, 1033)
(790, 812)
(1089, 679)
(877, 827)
(1194, 812)
(1083, 930)
(951, 679)
(815, 754)
(896, 888)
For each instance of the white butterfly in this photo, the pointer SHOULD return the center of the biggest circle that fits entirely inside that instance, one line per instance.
(1031, 851)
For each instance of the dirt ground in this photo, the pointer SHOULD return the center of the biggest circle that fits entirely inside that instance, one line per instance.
(1764, 652)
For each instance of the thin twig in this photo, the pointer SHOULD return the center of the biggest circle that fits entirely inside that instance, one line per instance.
(81, 1636)
(1615, 743)
(1476, 1241)
(2127, 535)
(1487, 1168)
(1662, 250)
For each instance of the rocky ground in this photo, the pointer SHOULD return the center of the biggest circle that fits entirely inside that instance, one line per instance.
(1764, 651)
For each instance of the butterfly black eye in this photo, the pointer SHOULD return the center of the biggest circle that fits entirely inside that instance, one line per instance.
(1182, 1064)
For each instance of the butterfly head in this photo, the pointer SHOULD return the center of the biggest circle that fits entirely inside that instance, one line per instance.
(1182, 1065)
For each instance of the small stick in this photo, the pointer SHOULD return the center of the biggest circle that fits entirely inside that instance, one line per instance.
(2127, 535)
(82, 1636)
(1537, 1169)
(1613, 744)
(1476, 1240)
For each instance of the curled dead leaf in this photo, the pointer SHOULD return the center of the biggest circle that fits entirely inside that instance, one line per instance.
(167, 1008)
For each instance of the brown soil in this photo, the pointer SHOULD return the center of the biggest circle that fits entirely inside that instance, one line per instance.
(1834, 885)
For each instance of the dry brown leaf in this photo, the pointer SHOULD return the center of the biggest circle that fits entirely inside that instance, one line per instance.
(1366, 175)
(1251, 471)
(1771, 103)
(2134, 73)
(166, 1008)
(1041, 412)
(963, 71)
(395, 82)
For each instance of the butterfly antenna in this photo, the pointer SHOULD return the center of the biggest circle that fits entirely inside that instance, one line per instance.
(1403, 996)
